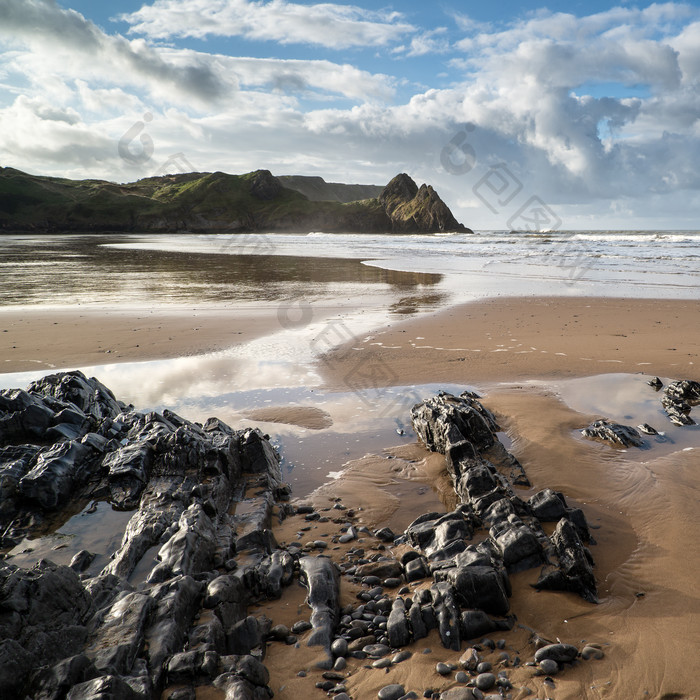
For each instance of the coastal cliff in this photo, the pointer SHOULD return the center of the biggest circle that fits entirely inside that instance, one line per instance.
(217, 203)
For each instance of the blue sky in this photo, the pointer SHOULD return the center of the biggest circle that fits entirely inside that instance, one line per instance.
(592, 111)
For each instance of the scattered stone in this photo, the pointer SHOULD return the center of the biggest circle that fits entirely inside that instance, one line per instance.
(561, 653)
(591, 652)
(391, 692)
(549, 667)
(485, 681)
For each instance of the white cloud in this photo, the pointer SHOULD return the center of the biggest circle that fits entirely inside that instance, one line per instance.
(534, 91)
(63, 42)
(431, 42)
(323, 24)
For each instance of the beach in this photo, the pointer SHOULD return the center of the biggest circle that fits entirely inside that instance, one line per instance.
(546, 366)
(492, 340)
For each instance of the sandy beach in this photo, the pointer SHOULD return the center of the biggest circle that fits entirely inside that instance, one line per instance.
(641, 505)
(38, 338)
(511, 339)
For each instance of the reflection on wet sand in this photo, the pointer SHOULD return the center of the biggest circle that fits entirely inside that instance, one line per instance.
(63, 270)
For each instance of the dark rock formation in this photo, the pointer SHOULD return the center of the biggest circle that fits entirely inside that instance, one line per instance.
(320, 576)
(575, 570)
(94, 634)
(622, 435)
(413, 209)
(678, 399)
(170, 609)
(484, 476)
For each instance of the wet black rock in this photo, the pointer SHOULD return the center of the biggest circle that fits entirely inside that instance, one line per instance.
(476, 623)
(95, 635)
(678, 399)
(614, 433)
(397, 625)
(446, 420)
(391, 692)
(561, 653)
(574, 572)
(320, 575)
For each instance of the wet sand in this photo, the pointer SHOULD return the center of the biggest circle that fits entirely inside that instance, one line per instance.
(541, 337)
(38, 338)
(642, 504)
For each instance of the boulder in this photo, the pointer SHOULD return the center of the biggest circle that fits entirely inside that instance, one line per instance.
(574, 572)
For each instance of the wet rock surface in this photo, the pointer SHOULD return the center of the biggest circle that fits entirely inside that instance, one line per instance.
(614, 433)
(170, 612)
(678, 399)
(111, 634)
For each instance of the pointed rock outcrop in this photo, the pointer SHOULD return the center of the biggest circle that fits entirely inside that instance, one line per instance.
(413, 209)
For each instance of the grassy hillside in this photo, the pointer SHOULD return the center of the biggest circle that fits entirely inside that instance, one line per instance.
(197, 202)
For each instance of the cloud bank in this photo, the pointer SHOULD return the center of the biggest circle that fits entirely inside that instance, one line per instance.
(598, 116)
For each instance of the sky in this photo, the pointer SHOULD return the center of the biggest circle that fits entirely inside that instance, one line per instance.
(520, 114)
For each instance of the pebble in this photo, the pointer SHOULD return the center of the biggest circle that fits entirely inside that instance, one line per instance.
(302, 674)
(485, 681)
(391, 692)
(376, 650)
(301, 626)
(331, 676)
(591, 652)
(461, 677)
(339, 647)
(340, 664)
(442, 668)
(484, 667)
(347, 537)
(401, 656)
(549, 666)
(279, 633)
(392, 582)
(469, 659)
(341, 696)
(382, 663)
